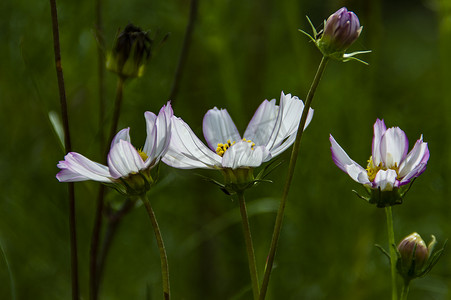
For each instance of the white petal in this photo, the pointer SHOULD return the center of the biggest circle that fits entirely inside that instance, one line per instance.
(379, 130)
(241, 155)
(158, 133)
(290, 112)
(262, 123)
(76, 167)
(186, 151)
(218, 127)
(124, 134)
(124, 160)
(385, 180)
(358, 173)
(394, 146)
(418, 155)
(340, 157)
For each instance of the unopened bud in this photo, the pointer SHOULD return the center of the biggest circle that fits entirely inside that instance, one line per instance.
(413, 254)
(130, 53)
(342, 28)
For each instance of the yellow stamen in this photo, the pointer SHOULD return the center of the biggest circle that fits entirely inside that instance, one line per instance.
(143, 155)
(372, 169)
(222, 148)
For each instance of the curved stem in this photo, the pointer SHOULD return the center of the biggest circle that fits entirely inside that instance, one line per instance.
(163, 256)
(405, 290)
(391, 245)
(95, 272)
(291, 167)
(68, 148)
(249, 245)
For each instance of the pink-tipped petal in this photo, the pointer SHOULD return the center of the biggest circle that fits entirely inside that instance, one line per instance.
(76, 167)
(418, 155)
(379, 130)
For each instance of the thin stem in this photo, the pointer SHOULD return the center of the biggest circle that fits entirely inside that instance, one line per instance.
(405, 290)
(393, 256)
(68, 148)
(95, 272)
(184, 52)
(249, 245)
(163, 256)
(291, 167)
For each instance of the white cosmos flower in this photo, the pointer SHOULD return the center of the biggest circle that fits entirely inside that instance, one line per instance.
(124, 159)
(270, 132)
(390, 166)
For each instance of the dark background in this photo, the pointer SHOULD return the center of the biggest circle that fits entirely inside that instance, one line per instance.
(242, 52)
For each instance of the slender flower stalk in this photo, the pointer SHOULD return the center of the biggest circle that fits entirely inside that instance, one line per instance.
(249, 245)
(161, 248)
(68, 147)
(291, 167)
(393, 254)
(405, 291)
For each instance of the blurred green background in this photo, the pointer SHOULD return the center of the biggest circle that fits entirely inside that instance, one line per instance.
(242, 52)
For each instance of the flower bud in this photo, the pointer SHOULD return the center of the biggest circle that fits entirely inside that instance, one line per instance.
(340, 30)
(413, 255)
(131, 51)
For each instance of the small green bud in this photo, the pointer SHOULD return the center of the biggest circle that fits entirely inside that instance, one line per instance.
(415, 259)
(130, 53)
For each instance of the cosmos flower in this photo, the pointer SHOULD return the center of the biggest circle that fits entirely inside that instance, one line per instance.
(270, 132)
(390, 166)
(128, 168)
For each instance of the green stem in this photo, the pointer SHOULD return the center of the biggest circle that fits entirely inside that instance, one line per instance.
(405, 290)
(291, 167)
(249, 245)
(68, 148)
(163, 256)
(393, 256)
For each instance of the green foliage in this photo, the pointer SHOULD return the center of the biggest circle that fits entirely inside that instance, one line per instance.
(242, 52)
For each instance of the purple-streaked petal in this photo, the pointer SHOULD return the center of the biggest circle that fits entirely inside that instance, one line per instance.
(186, 151)
(218, 128)
(385, 180)
(76, 167)
(418, 155)
(124, 160)
(417, 171)
(124, 134)
(262, 123)
(241, 155)
(158, 133)
(379, 130)
(394, 146)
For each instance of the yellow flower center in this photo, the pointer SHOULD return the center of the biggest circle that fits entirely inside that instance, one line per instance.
(143, 155)
(372, 169)
(222, 148)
